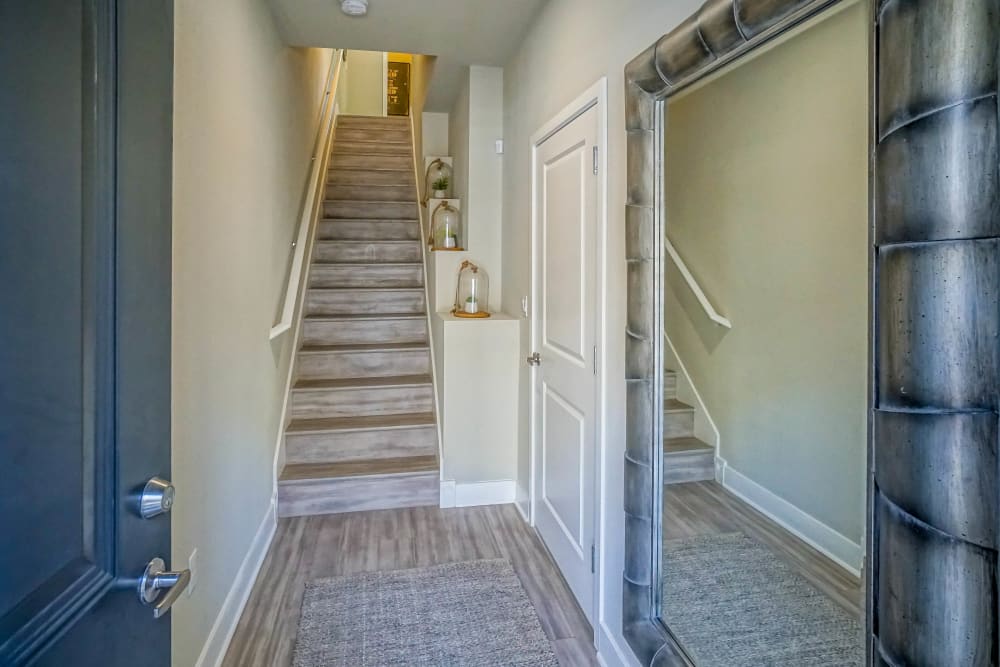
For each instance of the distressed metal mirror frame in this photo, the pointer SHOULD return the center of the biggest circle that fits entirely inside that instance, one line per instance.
(933, 521)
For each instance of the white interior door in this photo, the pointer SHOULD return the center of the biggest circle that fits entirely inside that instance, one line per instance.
(565, 323)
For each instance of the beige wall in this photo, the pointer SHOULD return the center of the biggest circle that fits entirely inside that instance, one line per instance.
(570, 46)
(364, 83)
(766, 194)
(245, 113)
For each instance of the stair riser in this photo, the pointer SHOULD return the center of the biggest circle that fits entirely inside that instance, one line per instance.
(360, 162)
(336, 365)
(356, 494)
(341, 147)
(364, 331)
(361, 134)
(364, 191)
(370, 210)
(371, 177)
(360, 402)
(669, 386)
(350, 302)
(366, 275)
(397, 251)
(331, 230)
(679, 467)
(374, 122)
(678, 424)
(360, 445)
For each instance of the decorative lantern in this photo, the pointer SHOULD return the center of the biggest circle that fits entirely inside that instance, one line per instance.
(437, 180)
(472, 294)
(446, 228)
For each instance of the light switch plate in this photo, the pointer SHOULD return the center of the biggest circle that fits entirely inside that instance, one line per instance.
(499, 146)
(524, 306)
(193, 566)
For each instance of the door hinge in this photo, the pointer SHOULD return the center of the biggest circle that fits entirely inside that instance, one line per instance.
(595, 360)
(593, 559)
(595, 159)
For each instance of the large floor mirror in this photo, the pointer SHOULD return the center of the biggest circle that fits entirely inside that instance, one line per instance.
(811, 369)
(766, 325)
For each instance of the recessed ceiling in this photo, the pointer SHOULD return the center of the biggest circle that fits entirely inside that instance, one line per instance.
(459, 32)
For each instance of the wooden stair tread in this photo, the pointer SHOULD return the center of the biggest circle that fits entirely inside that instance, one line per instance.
(297, 472)
(673, 405)
(365, 382)
(368, 316)
(363, 423)
(401, 288)
(690, 444)
(320, 262)
(364, 347)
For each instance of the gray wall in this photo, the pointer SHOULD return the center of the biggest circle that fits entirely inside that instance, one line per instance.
(245, 113)
(767, 204)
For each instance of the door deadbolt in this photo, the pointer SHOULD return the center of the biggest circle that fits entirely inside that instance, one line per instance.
(157, 498)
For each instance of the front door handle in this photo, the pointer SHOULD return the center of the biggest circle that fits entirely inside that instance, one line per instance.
(157, 579)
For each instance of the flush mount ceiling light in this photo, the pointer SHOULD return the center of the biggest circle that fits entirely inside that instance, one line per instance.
(354, 7)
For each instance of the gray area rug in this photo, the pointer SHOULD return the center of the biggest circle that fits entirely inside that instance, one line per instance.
(732, 603)
(473, 613)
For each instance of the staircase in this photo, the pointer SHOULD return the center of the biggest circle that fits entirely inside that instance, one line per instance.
(362, 432)
(685, 457)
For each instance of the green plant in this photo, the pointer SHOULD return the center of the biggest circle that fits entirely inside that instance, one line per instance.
(441, 183)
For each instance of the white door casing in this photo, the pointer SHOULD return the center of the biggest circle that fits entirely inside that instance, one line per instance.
(564, 333)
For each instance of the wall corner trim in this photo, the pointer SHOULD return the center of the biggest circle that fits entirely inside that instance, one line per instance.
(214, 650)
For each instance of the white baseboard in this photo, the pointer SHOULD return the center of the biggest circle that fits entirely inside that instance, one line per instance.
(806, 527)
(470, 494)
(214, 650)
(522, 501)
(609, 650)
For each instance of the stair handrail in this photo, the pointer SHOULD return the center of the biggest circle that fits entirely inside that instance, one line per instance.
(313, 202)
(693, 285)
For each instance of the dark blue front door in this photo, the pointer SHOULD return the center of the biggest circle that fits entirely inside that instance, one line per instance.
(85, 146)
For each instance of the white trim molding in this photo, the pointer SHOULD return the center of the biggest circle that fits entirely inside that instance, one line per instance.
(472, 494)
(809, 529)
(214, 649)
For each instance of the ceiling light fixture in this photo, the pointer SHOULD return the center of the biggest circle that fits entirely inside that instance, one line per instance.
(354, 7)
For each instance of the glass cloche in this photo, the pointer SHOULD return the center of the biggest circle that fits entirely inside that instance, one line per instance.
(437, 180)
(446, 228)
(472, 294)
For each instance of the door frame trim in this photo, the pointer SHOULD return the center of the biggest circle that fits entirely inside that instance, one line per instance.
(596, 95)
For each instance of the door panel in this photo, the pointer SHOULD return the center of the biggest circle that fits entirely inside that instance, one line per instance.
(563, 491)
(76, 438)
(564, 318)
(566, 387)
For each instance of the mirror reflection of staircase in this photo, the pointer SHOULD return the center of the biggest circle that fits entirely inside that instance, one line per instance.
(685, 457)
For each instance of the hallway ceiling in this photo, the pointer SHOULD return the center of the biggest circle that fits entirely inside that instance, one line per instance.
(459, 32)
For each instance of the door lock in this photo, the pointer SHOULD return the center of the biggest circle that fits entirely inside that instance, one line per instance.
(535, 359)
(155, 579)
(157, 498)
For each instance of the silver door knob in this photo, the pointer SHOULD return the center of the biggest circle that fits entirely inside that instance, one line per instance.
(535, 359)
(156, 579)
(157, 498)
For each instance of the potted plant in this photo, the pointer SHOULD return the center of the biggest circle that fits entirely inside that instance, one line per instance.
(440, 187)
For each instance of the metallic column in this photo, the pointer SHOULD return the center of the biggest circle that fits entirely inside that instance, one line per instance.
(937, 334)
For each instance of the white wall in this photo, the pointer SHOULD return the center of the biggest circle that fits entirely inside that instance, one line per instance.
(364, 83)
(245, 114)
(571, 45)
(435, 134)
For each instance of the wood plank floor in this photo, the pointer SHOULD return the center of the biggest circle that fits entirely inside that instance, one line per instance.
(706, 508)
(314, 547)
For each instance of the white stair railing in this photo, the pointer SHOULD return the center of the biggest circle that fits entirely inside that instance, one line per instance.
(313, 204)
(693, 285)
